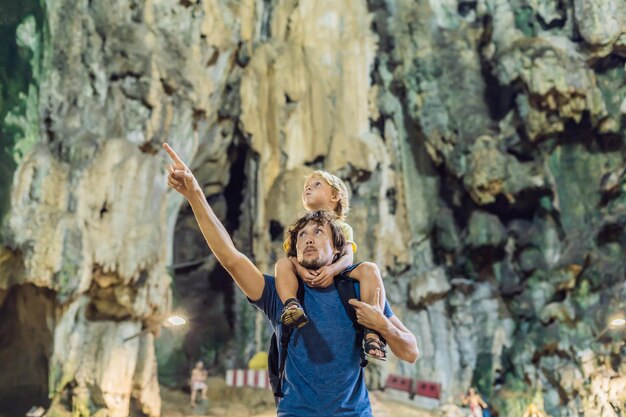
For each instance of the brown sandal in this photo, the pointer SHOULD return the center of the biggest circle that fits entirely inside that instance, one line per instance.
(371, 343)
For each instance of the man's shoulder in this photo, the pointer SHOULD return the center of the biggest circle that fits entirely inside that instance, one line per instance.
(269, 300)
(269, 288)
(270, 280)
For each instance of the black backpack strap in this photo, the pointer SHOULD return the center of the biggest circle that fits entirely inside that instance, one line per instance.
(345, 287)
(285, 335)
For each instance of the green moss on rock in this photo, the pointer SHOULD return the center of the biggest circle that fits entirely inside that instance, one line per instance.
(483, 374)
(20, 53)
(525, 20)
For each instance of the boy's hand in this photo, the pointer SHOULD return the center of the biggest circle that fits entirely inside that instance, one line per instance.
(307, 275)
(325, 276)
(180, 177)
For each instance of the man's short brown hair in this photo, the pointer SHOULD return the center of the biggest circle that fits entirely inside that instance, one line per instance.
(320, 217)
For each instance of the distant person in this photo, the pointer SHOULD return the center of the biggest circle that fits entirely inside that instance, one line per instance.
(533, 411)
(199, 376)
(474, 402)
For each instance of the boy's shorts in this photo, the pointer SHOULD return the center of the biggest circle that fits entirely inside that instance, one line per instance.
(349, 269)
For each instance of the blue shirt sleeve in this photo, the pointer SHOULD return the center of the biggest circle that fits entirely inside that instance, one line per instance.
(269, 303)
(387, 311)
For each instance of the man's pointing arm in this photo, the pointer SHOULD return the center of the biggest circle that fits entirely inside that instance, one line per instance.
(246, 275)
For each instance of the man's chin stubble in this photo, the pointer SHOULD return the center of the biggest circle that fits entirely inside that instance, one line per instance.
(312, 263)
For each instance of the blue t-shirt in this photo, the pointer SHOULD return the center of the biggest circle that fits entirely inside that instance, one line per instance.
(323, 375)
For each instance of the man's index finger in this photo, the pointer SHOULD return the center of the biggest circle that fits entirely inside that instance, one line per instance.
(172, 154)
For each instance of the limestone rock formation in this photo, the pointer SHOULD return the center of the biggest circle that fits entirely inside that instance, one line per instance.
(482, 143)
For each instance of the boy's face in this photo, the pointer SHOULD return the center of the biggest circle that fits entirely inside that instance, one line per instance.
(314, 245)
(318, 195)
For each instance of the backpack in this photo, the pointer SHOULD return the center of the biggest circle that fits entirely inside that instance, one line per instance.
(277, 354)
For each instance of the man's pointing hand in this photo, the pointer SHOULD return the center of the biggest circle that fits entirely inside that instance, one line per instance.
(180, 177)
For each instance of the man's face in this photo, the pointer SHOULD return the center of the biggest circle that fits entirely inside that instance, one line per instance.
(314, 246)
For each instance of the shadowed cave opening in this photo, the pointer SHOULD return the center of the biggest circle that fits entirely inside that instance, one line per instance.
(203, 289)
(25, 348)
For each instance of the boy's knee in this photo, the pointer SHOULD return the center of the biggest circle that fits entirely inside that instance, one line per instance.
(283, 264)
(369, 268)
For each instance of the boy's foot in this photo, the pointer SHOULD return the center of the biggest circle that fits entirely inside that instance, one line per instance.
(293, 314)
(374, 345)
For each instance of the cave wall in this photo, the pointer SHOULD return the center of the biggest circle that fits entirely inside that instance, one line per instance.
(482, 143)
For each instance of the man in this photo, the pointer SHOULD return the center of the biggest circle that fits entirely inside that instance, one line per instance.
(533, 411)
(323, 376)
(197, 381)
(475, 403)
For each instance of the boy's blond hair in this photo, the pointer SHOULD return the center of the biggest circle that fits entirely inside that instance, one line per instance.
(339, 188)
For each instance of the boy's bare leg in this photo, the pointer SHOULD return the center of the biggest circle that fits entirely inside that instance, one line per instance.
(287, 288)
(370, 279)
(286, 280)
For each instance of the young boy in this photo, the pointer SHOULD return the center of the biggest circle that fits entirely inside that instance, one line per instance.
(324, 191)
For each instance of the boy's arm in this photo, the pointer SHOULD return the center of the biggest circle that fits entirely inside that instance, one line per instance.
(327, 273)
(307, 275)
(246, 275)
(345, 260)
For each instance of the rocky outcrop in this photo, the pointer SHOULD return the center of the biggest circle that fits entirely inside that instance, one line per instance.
(89, 218)
(482, 143)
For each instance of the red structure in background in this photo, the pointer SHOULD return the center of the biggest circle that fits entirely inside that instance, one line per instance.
(428, 389)
(401, 383)
(418, 387)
